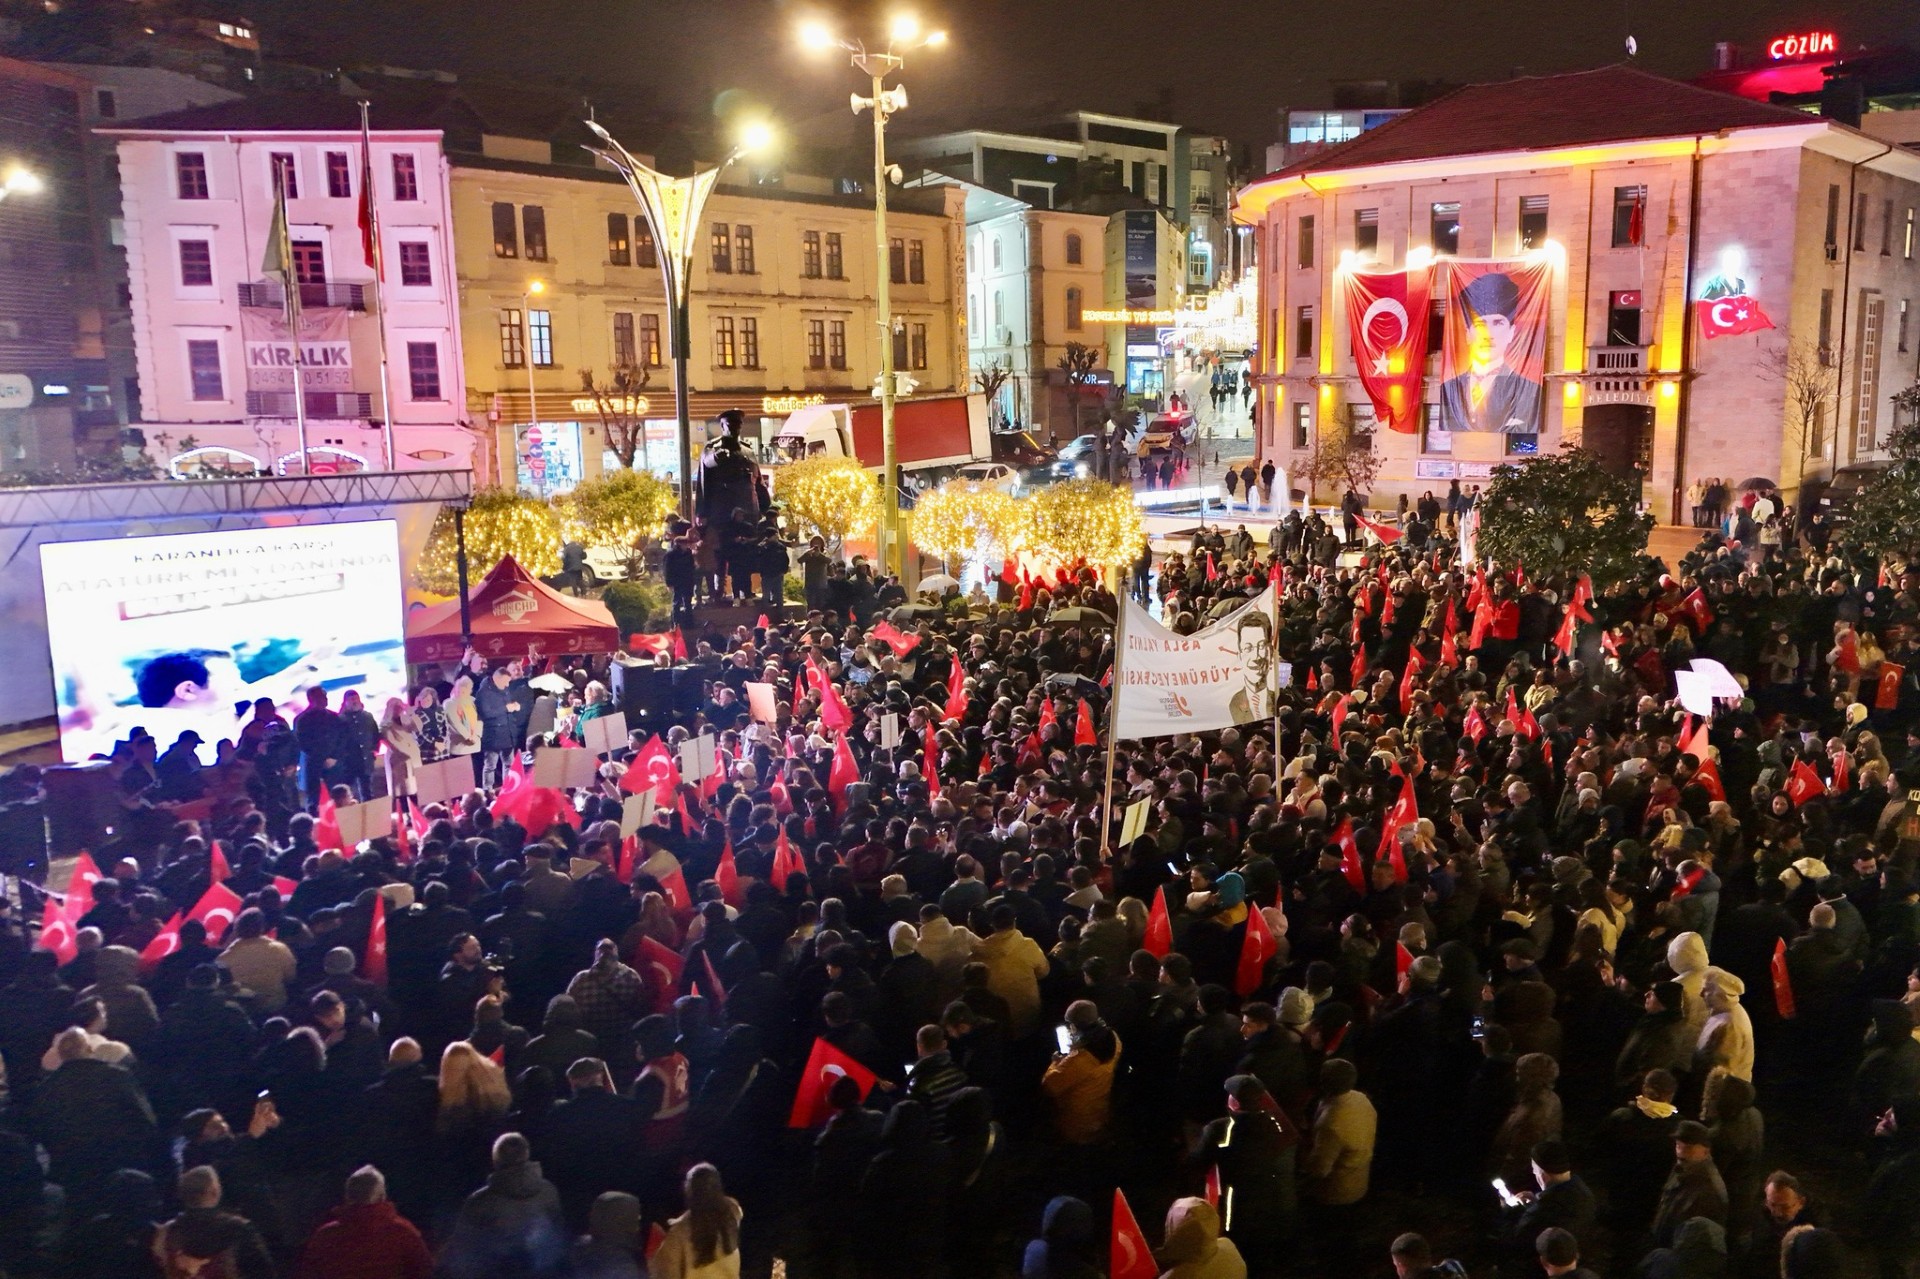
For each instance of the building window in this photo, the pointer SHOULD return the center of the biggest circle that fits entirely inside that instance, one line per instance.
(1436, 324)
(309, 262)
(1533, 222)
(1443, 227)
(1833, 222)
(996, 252)
(286, 174)
(190, 175)
(837, 344)
(339, 176)
(423, 370)
(722, 250)
(1906, 238)
(916, 261)
(623, 347)
(999, 310)
(897, 260)
(196, 264)
(1075, 310)
(619, 248)
(743, 257)
(650, 341)
(809, 255)
(723, 352)
(1306, 243)
(1623, 318)
(1303, 333)
(105, 104)
(643, 250)
(1817, 430)
(749, 342)
(1433, 437)
(506, 234)
(1860, 222)
(816, 344)
(1302, 425)
(533, 218)
(1886, 229)
(1867, 407)
(1366, 230)
(203, 369)
(540, 333)
(1900, 329)
(1522, 445)
(836, 266)
(406, 179)
(1825, 342)
(918, 355)
(1629, 216)
(1073, 248)
(416, 264)
(513, 351)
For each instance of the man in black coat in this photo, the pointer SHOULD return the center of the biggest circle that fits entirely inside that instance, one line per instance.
(1562, 1200)
(92, 1118)
(587, 1143)
(505, 704)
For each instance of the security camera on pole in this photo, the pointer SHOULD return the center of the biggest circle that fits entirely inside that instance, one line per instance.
(903, 36)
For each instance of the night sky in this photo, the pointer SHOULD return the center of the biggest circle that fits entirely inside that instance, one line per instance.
(1226, 66)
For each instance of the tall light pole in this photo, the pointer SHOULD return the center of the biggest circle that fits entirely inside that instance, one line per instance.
(673, 207)
(903, 36)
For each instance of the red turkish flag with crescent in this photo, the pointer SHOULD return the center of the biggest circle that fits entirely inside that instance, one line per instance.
(1159, 939)
(1387, 318)
(1129, 1257)
(1730, 316)
(825, 1064)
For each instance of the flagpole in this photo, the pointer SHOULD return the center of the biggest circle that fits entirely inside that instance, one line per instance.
(1275, 588)
(1113, 707)
(379, 270)
(291, 295)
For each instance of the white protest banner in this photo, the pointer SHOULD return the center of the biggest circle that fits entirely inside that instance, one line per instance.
(1695, 692)
(561, 766)
(890, 731)
(636, 811)
(444, 781)
(762, 704)
(1719, 679)
(605, 734)
(696, 757)
(1221, 676)
(364, 821)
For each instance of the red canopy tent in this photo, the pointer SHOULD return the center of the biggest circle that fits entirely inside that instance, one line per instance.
(512, 611)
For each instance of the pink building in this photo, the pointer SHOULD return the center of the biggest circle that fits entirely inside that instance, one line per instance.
(213, 352)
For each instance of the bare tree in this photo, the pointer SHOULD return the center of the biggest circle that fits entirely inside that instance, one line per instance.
(1079, 364)
(988, 380)
(622, 409)
(1809, 380)
(1340, 454)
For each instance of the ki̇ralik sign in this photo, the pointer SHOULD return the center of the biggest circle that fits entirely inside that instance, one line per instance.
(326, 356)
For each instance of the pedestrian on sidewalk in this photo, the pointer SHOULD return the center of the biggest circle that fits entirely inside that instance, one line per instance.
(1232, 480)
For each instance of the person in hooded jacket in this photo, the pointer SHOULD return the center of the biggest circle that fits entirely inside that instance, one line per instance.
(365, 1238)
(1687, 958)
(1699, 1251)
(1890, 1071)
(903, 1200)
(1066, 1246)
(1195, 1248)
(117, 1241)
(1726, 1040)
(1739, 1134)
(510, 1228)
(1254, 1147)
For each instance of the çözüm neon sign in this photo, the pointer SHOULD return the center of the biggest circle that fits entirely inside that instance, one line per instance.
(1804, 45)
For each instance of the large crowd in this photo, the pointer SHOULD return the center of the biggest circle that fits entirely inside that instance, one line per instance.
(1633, 994)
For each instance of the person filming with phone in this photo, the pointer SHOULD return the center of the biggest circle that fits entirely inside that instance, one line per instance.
(1079, 1082)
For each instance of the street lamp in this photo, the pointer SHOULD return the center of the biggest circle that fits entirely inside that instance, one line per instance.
(903, 36)
(534, 289)
(20, 181)
(673, 207)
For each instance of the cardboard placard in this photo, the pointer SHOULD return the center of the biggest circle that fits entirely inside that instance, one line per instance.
(605, 734)
(1720, 680)
(1695, 692)
(560, 767)
(1134, 824)
(445, 781)
(762, 705)
(696, 758)
(1283, 674)
(636, 811)
(366, 821)
(890, 731)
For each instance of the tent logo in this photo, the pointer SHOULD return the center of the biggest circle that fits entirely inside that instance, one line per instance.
(515, 607)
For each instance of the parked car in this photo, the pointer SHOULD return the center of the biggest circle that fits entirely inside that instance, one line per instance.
(1020, 449)
(997, 475)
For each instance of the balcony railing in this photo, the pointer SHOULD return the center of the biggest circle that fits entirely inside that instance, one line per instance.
(1619, 361)
(269, 294)
(320, 404)
(1617, 375)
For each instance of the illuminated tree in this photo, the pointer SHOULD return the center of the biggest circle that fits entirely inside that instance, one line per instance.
(621, 509)
(830, 497)
(958, 519)
(500, 522)
(1087, 521)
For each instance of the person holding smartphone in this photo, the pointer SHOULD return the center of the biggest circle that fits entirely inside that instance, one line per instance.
(1079, 1081)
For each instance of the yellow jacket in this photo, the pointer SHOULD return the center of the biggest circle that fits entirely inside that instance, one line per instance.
(1080, 1086)
(1341, 1159)
(1015, 964)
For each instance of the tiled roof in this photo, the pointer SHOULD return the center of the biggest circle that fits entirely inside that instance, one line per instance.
(1539, 113)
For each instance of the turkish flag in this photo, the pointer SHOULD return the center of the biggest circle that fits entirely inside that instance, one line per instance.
(164, 943)
(833, 708)
(1520, 717)
(1475, 725)
(1047, 714)
(1886, 692)
(1255, 951)
(900, 643)
(1709, 778)
(1350, 856)
(1695, 743)
(844, 773)
(652, 765)
(1804, 784)
(1387, 320)
(1386, 534)
(326, 824)
(1730, 316)
(1213, 1187)
(1159, 938)
(285, 885)
(1782, 982)
(665, 869)
(659, 966)
(1449, 643)
(1402, 959)
(1083, 730)
(1405, 812)
(1414, 664)
(728, 877)
(930, 765)
(786, 862)
(217, 908)
(80, 884)
(1563, 638)
(57, 931)
(1359, 670)
(679, 645)
(1129, 1256)
(956, 690)
(516, 793)
(824, 1065)
(1842, 771)
(1340, 710)
(373, 964)
(1696, 606)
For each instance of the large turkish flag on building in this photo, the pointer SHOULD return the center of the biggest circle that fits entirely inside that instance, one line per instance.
(1730, 316)
(1387, 321)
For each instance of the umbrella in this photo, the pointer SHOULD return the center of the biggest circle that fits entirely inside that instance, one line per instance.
(938, 582)
(1081, 614)
(1757, 484)
(551, 683)
(909, 612)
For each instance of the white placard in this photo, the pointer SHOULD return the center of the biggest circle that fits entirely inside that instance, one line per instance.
(890, 731)
(1283, 674)
(762, 704)
(636, 811)
(365, 821)
(1224, 675)
(560, 766)
(1720, 680)
(445, 781)
(1134, 824)
(605, 734)
(696, 758)
(1695, 691)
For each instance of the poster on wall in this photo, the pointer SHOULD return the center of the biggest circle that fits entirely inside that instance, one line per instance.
(326, 356)
(1493, 352)
(184, 632)
(1387, 321)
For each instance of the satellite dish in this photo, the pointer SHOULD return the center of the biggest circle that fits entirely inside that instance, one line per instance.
(1633, 47)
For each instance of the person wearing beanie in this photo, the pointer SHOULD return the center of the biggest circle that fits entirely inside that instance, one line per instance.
(933, 1079)
(1560, 1200)
(1693, 1188)
(1338, 1165)
(1659, 1039)
(1699, 1251)
(1535, 1117)
(1194, 1248)
(1254, 1147)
